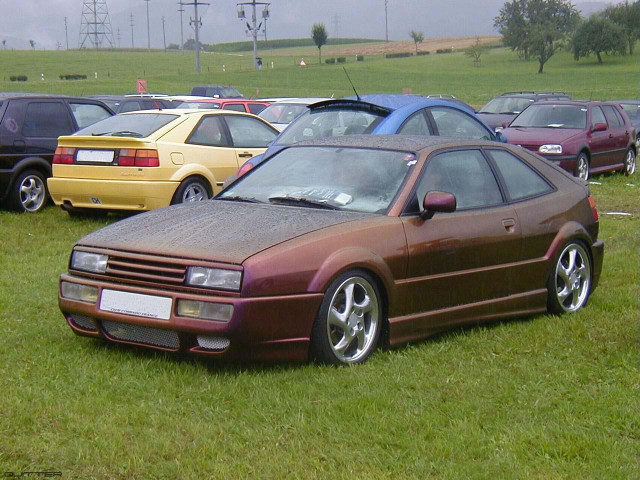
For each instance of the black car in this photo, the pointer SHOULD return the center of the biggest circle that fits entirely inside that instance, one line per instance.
(216, 91)
(504, 108)
(132, 103)
(29, 129)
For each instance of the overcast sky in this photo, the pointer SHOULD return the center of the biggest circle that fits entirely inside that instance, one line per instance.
(43, 20)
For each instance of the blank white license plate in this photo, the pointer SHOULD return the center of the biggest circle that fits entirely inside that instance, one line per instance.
(136, 304)
(102, 156)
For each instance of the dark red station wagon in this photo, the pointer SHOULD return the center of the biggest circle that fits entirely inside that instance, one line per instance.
(580, 137)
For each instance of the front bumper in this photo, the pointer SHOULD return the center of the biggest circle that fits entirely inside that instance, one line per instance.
(566, 162)
(111, 194)
(261, 328)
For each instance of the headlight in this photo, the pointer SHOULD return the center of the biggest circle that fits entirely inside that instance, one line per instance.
(214, 278)
(90, 262)
(221, 312)
(550, 149)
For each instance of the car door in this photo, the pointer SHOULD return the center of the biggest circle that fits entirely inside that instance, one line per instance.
(449, 122)
(249, 136)
(44, 121)
(465, 257)
(601, 143)
(619, 133)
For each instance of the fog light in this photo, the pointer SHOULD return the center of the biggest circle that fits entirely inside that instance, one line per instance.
(76, 291)
(222, 312)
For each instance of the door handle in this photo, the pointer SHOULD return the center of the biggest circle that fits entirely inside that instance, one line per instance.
(245, 155)
(509, 224)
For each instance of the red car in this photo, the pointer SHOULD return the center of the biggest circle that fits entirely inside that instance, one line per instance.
(333, 246)
(581, 137)
(237, 104)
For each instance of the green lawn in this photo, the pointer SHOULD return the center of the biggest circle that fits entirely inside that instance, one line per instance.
(544, 398)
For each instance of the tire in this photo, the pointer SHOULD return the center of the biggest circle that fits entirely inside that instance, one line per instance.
(582, 166)
(630, 162)
(347, 327)
(191, 190)
(569, 283)
(29, 192)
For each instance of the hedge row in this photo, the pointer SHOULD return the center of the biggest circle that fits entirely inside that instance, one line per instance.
(423, 52)
(444, 50)
(73, 76)
(331, 61)
(398, 55)
(18, 78)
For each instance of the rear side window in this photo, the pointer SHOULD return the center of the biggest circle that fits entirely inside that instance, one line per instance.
(210, 131)
(415, 125)
(520, 179)
(86, 114)
(452, 123)
(613, 118)
(247, 132)
(46, 119)
(236, 107)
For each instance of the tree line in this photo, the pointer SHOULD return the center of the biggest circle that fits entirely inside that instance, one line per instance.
(536, 29)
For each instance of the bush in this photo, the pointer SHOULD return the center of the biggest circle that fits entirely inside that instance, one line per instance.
(444, 50)
(423, 52)
(398, 55)
(342, 60)
(73, 76)
(359, 58)
(330, 61)
(18, 78)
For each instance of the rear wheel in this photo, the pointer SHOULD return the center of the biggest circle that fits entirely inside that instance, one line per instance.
(569, 283)
(29, 192)
(349, 321)
(582, 166)
(630, 162)
(191, 190)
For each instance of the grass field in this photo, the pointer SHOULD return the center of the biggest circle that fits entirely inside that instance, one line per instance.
(543, 398)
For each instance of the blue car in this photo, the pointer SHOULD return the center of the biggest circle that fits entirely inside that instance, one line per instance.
(380, 114)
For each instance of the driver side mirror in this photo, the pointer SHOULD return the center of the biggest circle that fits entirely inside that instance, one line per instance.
(599, 127)
(435, 201)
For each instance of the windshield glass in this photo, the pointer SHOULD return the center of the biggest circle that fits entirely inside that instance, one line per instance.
(506, 105)
(358, 179)
(552, 116)
(329, 123)
(129, 125)
(282, 112)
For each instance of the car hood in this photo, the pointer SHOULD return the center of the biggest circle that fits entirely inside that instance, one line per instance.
(214, 230)
(539, 136)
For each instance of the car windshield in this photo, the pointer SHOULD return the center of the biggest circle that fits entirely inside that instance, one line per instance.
(506, 105)
(552, 116)
(282, 112)
(129, 125)
(329, 123)
(229, 92)
(200, 105)
(357, 179)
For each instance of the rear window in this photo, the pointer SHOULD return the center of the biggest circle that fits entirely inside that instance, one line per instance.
(130, 125)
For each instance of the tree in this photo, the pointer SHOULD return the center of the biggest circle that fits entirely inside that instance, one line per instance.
(536, 28)
(319, 36)
(475, 51)
(33, 44)
(417, 37)
(626, 16)
(598, 35)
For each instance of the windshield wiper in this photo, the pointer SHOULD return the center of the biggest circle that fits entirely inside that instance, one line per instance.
(286, 200)
(238, 198)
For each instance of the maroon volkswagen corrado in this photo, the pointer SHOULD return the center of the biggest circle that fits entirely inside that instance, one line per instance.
(581, 137)
(334, 246)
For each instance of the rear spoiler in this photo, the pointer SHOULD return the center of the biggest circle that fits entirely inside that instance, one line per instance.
(351, 105)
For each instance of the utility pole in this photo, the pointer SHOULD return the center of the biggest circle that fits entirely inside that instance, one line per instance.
(118, 37)
(148, 34)
(66, 32)
(253, 28)
(386, 24)
(196, 25)
(164, 38)
(336, 26)
(181, 10)
(131, 23)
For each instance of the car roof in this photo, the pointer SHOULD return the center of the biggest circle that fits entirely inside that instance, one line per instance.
(533, 94)
(301, 101)
(577, 103)
(8, 95)
(184, 112)
(387, 103)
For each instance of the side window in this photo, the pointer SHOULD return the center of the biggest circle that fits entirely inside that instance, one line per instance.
(256, 108)
(210, 131)
(464, 173)
(415, 125)
(612, 119)
(452, 123)
(520, 179)
(597, 116)
(86, 114)
(46, 119)
(247, 132)
(236, 107)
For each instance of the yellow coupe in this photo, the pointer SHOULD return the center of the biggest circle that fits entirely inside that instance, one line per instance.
(151, 159)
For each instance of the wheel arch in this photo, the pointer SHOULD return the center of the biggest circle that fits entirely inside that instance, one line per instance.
(34, 163)
(196, 176)
(571, 231)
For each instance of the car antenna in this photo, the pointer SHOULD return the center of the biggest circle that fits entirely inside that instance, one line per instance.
(354, 88)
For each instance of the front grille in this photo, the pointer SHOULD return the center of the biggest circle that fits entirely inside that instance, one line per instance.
(145, 269)
(532, 148)
(139, 334)
(84, 322)
(213, 343)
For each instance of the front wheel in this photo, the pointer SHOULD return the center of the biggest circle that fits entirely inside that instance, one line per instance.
(569, 282)
(29, 192)
(630, 162)
(349, 321)
(582, 166)
(191, 190)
